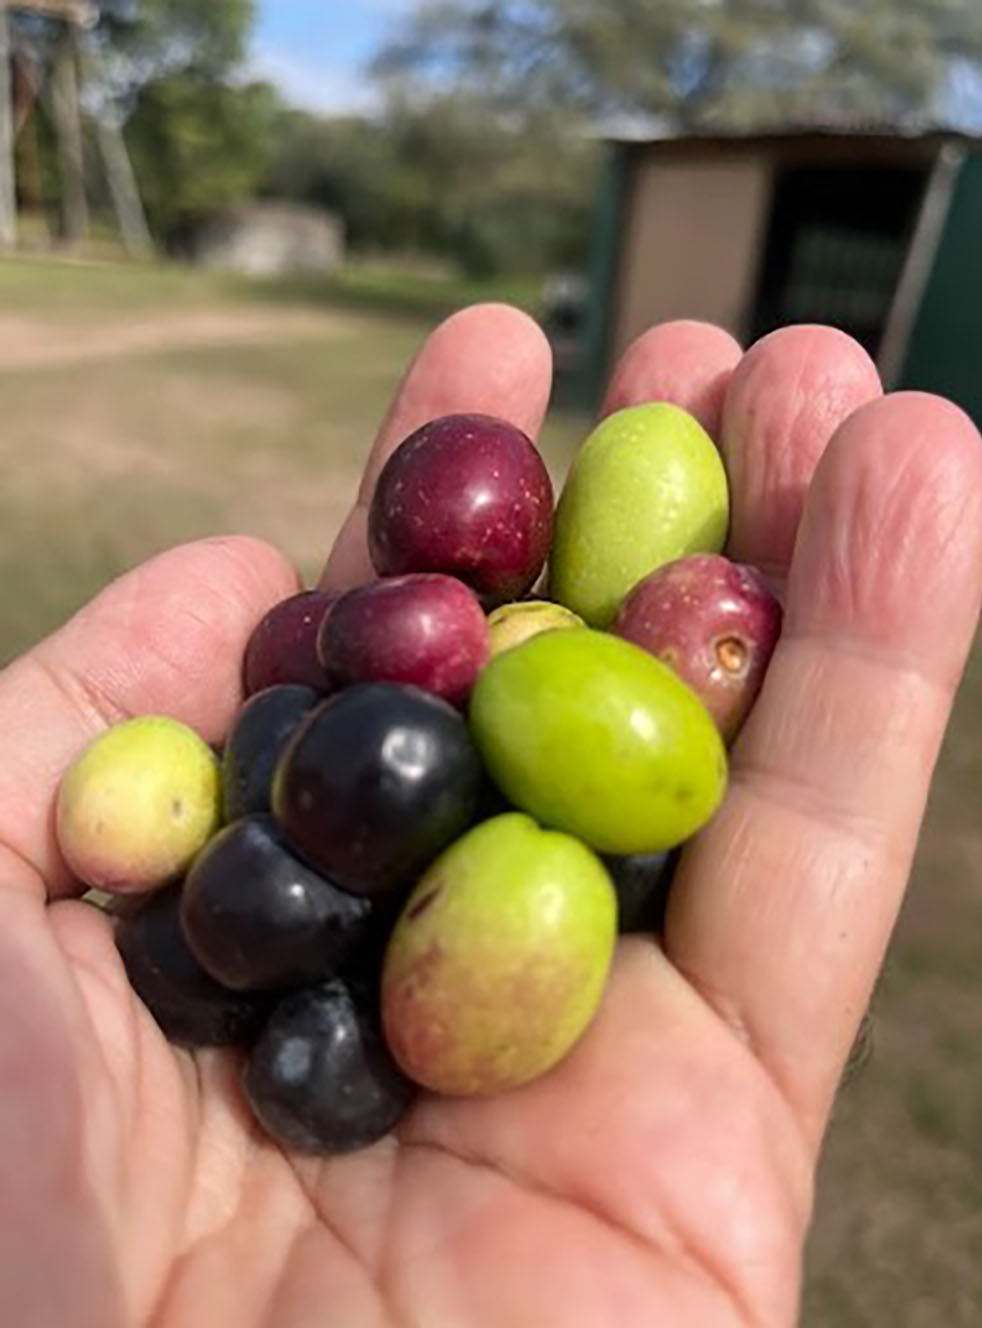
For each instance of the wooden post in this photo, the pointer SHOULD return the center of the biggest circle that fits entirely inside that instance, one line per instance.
(68, 119)
(8, 181)
(921, 256)
(125, 191)
(27, 155)
(119, 169)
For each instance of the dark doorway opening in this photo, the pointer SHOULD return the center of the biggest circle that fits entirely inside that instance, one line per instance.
(836, 244)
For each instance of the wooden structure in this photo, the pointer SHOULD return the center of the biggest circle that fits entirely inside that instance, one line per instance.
(74, 65)
(876, 232)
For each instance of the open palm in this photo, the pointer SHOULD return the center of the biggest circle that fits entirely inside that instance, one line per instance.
(663, 1174)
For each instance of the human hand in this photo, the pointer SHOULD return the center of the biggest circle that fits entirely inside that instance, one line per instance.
(661, 1175)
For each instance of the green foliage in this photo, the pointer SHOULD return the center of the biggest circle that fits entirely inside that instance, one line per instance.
(150, 36)
(198, 146)
(443, 178)
(350, 166)
(718, 62)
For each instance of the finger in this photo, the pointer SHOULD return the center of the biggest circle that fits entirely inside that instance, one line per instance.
(784, 402)
(685, 362)
(166, 639)
(784, 905)
(487, 360)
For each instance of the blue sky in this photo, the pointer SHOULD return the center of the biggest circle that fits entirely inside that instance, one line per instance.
(315, 49)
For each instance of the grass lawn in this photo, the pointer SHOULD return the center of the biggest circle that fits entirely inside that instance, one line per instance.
(111, 455)
(36, 284)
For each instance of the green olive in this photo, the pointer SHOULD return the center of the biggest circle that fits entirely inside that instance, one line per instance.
(647, 487)
(591, 735)
(138, 804)
(512, 624)
(499, 960)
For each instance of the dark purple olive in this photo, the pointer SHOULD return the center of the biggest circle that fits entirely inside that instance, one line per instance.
(491, 802)
(715, 623)
(283, 647)
(320, 1079)
(642, 882)
(257, 918)
(426, 630)
(191, 1008)
(260, 735)
(468, 495)
(378, 780)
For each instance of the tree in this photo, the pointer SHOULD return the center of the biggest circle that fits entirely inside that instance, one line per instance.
(198, 146)
(148, 38)
(443, 178)
(198, 136)
(169, 71)
(698, 63)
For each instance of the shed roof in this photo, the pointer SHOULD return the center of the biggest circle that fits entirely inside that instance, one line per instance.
(643, 129)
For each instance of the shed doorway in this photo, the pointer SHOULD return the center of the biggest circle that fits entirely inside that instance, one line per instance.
(835, 248)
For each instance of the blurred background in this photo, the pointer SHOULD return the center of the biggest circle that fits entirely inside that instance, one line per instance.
(226, 226)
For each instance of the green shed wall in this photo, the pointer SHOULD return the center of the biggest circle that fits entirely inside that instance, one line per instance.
(944, 354)
(608, 230)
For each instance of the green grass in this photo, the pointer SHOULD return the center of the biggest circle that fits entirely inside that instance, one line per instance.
(394, 291)
(40, 285)
(382, 286)
(30, 284)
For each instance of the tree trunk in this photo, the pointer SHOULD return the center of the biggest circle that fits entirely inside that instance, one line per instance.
(68, 120)
(8, 182)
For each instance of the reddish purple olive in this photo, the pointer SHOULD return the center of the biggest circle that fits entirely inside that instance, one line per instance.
(470, 496)
(426, 630)
(714, 623)
(283, 647)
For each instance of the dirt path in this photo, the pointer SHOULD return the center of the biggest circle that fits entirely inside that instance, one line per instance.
(42, 342)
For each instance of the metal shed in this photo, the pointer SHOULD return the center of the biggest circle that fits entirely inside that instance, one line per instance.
(876, 232)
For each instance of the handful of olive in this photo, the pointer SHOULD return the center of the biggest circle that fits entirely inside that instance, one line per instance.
(442, 798)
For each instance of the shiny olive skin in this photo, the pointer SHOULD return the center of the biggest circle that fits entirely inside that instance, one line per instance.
(468, 495)
(259, 737)
(190, 1007)
(377, 782)
(499, 960)
(713, 622)
(647, 486)
(426, 630)
(257, 918)
(320, 1079)
(591, 735)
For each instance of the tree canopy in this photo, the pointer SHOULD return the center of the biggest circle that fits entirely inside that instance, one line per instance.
(199, 136)
(442, 178)
(150, 37)
(698, 63)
